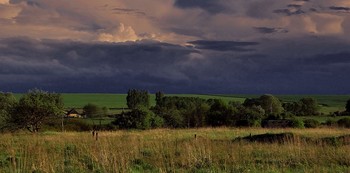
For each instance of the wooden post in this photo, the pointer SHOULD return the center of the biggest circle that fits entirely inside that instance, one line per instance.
(62, 124)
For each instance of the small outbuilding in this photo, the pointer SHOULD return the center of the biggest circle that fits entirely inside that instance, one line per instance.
(73, 114)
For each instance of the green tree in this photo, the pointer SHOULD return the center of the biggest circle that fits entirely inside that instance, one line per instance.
(309, 106)
(137, 98)
(249, 116)
(140, 118)
(34, 108)
(293, 108)
(270, 104)
(92, 110)
(7, 103)
(217, 115)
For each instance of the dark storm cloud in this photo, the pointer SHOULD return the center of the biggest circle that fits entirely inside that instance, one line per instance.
(211, 6)
(28, 2)
(329, 59)
(340, 9)
(186, 31)
(294, 5)
(128, 11)
(292, 9)
(277, 66)
(313, 10)
(51, 63)
(224, 45)
(289, 12)
(267, 30)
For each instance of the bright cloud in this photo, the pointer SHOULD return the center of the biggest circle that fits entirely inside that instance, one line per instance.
(120, 34)
(175, 21)
(8, 11)
(4, 1)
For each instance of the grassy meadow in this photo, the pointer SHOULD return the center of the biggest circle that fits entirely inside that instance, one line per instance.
(166, 150)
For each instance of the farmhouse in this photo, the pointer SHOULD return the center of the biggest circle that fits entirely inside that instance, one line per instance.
(73, 114)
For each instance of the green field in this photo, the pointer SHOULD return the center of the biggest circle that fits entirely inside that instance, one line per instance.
(328, 103)
(166, 150)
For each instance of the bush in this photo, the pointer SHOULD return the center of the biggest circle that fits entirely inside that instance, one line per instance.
(248, 123)
(157, 121)
(77, 125)
(331, 122)
(344, 122)
(297, 123)
(311, 123)
(140, 118)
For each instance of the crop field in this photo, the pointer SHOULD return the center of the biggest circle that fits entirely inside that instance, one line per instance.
(183, 150)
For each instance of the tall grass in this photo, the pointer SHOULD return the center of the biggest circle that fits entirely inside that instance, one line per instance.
(165, 150)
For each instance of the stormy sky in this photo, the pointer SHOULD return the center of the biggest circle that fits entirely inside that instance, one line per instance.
(176, 46)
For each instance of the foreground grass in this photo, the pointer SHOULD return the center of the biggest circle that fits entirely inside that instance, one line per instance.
(163, 150)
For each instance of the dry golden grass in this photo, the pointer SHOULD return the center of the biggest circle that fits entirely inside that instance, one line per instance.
(165, 150)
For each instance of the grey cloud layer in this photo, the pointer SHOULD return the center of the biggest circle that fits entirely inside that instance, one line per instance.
(65, 66)
(211, 6)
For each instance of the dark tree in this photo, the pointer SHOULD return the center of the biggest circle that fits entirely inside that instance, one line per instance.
(179, 112)
(348, 106)
(249, 102)
(304, 107)
(309, 106)
(34, 108)
(140, 118)
(217, 114)
(92, 110)
(293, 108)
(159, 98)
(137, 98)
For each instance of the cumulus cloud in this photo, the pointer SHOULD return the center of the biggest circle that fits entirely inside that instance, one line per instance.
(4, 1)
(8, 11)
(120, 34)
(176, 21)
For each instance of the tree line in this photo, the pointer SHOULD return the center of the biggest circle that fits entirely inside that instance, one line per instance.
(38, 107)
(193, 112)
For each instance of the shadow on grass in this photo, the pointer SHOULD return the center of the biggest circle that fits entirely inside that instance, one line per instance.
(285, 138)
